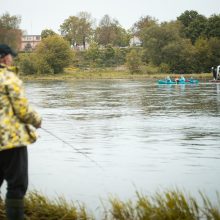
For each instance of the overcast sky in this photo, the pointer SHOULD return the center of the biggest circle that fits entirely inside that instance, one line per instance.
(50, 14)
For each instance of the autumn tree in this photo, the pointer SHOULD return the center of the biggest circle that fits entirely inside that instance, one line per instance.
(9, 30)
(142, 24)
(77, 29)
(110, 31)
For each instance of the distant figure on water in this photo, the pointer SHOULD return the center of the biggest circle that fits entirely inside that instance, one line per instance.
(18, 122)
(182, 79)
(168, 79)
(214, 73)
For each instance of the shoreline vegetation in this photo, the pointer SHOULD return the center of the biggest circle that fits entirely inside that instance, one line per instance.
(169, 205)
(110, 74)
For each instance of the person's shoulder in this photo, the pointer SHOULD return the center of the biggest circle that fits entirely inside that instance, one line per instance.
(11, 77)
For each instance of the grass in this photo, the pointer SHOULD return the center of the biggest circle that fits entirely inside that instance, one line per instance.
(170, 205)
(107, 74)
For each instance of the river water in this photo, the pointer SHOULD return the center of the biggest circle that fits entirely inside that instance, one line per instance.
(144, 136)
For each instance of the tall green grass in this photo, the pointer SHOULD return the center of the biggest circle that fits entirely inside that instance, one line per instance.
(170, 205)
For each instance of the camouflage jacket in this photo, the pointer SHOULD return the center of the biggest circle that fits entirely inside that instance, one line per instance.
(17, 119)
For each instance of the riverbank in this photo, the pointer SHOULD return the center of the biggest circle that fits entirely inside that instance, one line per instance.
(169, 205)
(105, 74)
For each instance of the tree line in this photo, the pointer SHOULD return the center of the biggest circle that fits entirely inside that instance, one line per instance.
(191, 43)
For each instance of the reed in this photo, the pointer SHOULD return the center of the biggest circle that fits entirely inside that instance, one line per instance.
(170, 205)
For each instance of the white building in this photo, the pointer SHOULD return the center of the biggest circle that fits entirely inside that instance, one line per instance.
(135, 41)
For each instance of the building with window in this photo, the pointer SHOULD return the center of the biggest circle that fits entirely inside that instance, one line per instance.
(29, 42)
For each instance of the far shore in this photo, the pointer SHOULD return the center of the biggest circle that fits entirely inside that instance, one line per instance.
(95, 75)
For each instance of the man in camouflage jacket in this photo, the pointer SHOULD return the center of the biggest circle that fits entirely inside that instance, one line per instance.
(18, 122)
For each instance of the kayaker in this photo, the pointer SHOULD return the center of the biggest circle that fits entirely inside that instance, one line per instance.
(182, 79)
(176, 79)
(18, 122)
(214, 73)
(168, 79)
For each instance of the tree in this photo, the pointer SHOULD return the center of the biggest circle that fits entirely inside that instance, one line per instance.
(9, 30)
(77, 29)
(164, 45)
(93, 55)
(133, 61)
(9, 22)
(54, 54)
(203, 55)
(109, 55)
(46, 33)
(27, 63)
(156, 37)
(213, 26)
(178, 55)
(194, 24)
(110, 31)
(214, 45)
(142, 24)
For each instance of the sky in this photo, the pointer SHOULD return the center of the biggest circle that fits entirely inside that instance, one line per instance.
(50, 14)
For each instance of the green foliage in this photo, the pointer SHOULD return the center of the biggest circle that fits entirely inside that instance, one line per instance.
(93, 55)
(77, 29)
(109, 55)
(133, 61)
(164, 45)
(214, 45)
(142, 24)
(53, 54)
(109, 31)
(120, 55)
(213, 26)
(46, 33)
(164, 68)
(27, 63)
(203, 55)
(194, 24)
(189, 44)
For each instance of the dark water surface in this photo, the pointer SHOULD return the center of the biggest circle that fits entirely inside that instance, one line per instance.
(145, 136)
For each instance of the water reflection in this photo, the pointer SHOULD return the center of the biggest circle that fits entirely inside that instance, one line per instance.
(141, 133)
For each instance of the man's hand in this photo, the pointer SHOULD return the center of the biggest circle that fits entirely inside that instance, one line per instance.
(39, 124)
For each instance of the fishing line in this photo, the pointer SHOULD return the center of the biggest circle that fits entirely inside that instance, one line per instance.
(85, 155)
(70, 145)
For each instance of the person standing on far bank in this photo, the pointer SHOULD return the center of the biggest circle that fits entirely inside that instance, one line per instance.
(18, 124)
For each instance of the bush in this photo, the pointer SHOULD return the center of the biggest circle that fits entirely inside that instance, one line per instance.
(133, 61)
(27, 63)
(53, 54)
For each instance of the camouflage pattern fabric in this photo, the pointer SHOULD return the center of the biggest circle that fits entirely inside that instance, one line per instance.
(17, 119)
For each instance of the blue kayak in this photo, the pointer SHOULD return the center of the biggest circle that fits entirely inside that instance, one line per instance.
(190, 81)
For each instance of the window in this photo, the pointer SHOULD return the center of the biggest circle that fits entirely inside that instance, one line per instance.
(37, 37)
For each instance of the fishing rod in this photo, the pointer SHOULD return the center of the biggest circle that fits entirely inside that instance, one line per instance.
(70, 145)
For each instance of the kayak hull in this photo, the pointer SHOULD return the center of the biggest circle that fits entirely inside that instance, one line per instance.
(194, 81)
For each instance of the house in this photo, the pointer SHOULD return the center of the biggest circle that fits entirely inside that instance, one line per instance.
(135, 41)
(29, 42)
